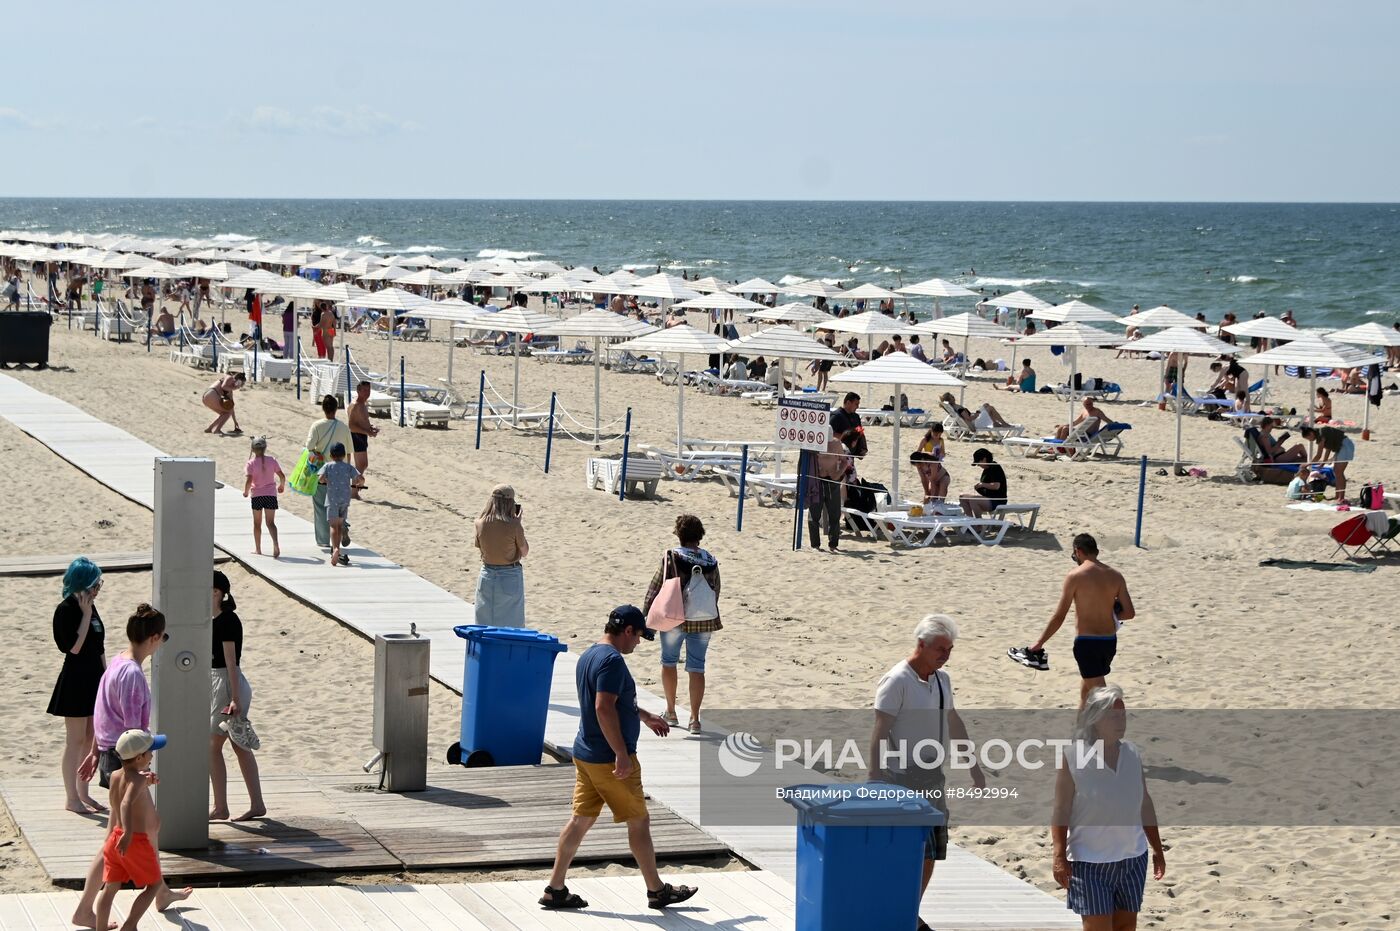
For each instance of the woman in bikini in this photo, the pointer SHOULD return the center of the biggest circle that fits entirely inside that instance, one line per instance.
(928, 462)
(218, 397)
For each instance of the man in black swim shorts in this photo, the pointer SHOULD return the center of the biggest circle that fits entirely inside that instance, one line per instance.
(360, 431)
(1101, 602)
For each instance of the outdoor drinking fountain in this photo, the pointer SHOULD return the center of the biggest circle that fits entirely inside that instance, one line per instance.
(401, 711)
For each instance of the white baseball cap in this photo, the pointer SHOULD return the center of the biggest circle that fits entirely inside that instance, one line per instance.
(135, 742)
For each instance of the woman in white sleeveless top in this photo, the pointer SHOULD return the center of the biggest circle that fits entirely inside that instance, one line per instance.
(1104, 819)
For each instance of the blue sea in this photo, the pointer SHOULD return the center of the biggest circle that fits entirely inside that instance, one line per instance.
(1331, 264)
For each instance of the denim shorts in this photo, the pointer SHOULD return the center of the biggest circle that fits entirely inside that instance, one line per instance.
(696, 646)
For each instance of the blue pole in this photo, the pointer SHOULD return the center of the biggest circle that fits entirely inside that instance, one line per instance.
(256, 339)
(213, 337)
(402, 389)
(480, 404)
(148, 336)
(743, 479)
(626, 445)
(549, 440)
(298, 366)
(347, 376)
(1142, 494)
(182, 339)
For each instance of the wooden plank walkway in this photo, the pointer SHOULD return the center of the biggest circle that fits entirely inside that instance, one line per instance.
(378, 596)
(57, 565)
(741, 901)
(469, 818)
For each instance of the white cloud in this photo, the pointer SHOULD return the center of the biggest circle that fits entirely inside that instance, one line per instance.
(10, 118)
(321, 121)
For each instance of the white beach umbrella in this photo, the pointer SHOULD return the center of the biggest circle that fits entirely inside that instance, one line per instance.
(897, 369)
(222, 271)
(511, 280)
(793, 313)
(1075, 312)
(515, 320)
(938, 289)
(718, 300)
(417, 261)
(782, 343)
(427, 278)
(968, 326)
(1018, 300)
(814, 287)
(1367, 334)
(754, 286)
(453, 310)
(385, 273)
(343, 292)
(294, 287)
(663, 287)
(327, 263)
(614, 283)
(1314, 352)
(1269, 331)
(1186, 340)
(1161, 318)
(210, 254)
(680, 341)
(562, 283)
(396, 302)
(709, 285)
(452, 265)
(870, 292)
(598, 325)
(1072, 336)
(251, 278)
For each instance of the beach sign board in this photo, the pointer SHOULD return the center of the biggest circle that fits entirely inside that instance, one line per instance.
(804, 424)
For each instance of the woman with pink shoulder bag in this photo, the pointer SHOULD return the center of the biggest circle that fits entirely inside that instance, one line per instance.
(682, 603)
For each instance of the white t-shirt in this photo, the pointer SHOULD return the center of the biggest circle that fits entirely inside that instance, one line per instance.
(1106, 818)
(914, 703)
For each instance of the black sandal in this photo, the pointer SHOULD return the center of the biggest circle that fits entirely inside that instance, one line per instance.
(669, 895)
(561, 898)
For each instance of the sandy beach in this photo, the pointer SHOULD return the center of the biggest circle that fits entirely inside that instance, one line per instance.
(802, 630)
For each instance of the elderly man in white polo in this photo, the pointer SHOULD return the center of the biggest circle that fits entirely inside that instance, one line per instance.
(914, 703)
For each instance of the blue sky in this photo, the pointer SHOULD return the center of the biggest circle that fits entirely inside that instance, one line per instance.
(809, 99)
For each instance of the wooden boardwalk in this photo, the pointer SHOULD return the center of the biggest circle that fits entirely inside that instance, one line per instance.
(739, 901)
(472, 818)
(378, 596)
(57, 565)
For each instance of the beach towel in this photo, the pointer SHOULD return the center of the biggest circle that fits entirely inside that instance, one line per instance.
(1323, 566)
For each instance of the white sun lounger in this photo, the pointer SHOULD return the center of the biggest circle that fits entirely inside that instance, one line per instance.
(1077, 445)
(763, 487)
(918, 532)
(643, 474)
(958, 429)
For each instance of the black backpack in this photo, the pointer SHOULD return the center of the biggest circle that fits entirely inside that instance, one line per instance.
(861, 494)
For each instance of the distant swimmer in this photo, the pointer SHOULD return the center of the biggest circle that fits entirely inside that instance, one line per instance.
(1101, 603)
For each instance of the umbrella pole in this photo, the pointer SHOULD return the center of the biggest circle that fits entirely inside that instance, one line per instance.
(680, 404)
(451, 347)
(596, 388)
(1176, 462)
(1073, 370)
(390, 367)
(962, 392)
(895, 499)
(777, 447)
(1312, 394)
(515, 392)
(937, 309)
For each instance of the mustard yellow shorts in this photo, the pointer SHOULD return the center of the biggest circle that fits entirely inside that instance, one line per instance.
(595, 785)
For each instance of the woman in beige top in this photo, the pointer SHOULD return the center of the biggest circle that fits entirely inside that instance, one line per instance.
(500, 589)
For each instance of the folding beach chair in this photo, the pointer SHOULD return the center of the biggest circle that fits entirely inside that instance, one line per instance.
(1076, 445)
(1351, 536)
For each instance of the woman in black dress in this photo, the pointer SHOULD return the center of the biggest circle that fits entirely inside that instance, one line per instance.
(79, 636)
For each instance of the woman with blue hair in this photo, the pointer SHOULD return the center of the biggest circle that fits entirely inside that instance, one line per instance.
(79, 636)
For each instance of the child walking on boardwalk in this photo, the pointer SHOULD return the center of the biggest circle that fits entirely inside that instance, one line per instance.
(339, 477)
(129, 854)
(263, 483)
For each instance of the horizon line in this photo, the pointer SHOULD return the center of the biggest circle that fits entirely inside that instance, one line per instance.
(719, 200)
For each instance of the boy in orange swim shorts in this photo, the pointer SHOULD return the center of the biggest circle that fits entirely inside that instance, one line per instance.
(128, 854)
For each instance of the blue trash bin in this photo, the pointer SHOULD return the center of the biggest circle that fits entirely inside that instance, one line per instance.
(505, 695)
(859, 854)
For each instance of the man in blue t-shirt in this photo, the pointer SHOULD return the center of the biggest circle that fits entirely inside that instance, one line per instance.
(605, 760)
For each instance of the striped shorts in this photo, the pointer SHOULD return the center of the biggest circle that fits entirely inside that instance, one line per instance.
(1105, 888)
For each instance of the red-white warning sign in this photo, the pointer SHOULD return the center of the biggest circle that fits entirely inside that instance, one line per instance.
(804, 424)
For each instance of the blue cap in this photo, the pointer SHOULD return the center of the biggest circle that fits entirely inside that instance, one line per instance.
(625, 616)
